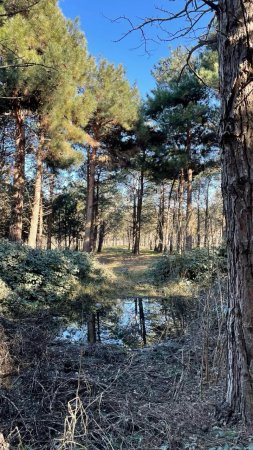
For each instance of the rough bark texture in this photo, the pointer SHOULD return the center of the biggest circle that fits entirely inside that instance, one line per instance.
(18, 177)
(37, 196)
(236, 78)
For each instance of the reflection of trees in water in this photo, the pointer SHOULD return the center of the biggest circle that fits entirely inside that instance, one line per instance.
(140, 324)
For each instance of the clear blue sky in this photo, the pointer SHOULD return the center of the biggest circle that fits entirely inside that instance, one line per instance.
(101, 33)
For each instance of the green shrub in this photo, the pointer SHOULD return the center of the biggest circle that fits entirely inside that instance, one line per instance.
(194, 265)
(45, 276)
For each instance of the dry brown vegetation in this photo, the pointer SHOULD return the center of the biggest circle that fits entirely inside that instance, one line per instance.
(95, 397)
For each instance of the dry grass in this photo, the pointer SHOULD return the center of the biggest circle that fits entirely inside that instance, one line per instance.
(130, 279)
(67, 397)
(57, 396)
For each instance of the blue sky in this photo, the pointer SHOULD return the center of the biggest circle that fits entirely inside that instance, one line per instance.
(101, 33)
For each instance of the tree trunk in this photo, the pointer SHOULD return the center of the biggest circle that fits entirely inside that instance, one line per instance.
(134, 220)
(37, 195)
(180, 211)
(91, 329)
(50, 212)
(89, 223)
(188, 240)
(169, 224)
(236, 69)
(174, 223)
(198, 219)
(206, 235)
(40, 230)
(136, 248)
(18, 177)
(101, 236)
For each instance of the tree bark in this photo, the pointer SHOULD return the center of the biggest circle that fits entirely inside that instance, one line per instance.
(50, 212)
(18, 177)
(198, 219)
(236, 73)
(206, 235)
(136, 248)
(40, 229)
(91, 329)
(89, 223)
(101, 236)
(180, 212)
(37, 194)
(188, 239)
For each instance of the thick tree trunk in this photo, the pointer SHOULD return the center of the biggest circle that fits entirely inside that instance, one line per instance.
(236, 75)
(18, 177)
(188, 239)
(180, 212)
(37, 195)
(89, 223)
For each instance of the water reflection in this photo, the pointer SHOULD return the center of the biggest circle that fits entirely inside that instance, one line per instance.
(133, 322)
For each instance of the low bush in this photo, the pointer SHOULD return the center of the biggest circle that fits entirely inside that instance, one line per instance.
(46, 276)
(193, 265)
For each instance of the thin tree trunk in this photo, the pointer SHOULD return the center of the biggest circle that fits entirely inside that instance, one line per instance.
(198, 219)
(40, 230)
(180, 211)
(174, 223)
(169, 224)
(136, 249)
(236, 67)
(50, 212)
(142, 322)
(95, 216)
(91, 328)
(101, 236)
(18, 177)
(134, 220)
(89, 223)
(206, 235)
(37, 194)
(188, 240)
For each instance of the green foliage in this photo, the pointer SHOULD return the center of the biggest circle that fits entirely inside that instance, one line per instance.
(41, 276)
(194, 265)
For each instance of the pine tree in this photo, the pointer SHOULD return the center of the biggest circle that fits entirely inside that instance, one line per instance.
(116, 111)
(55, 64)
(180, 105)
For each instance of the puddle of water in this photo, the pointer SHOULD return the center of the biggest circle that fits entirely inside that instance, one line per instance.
(132, 322)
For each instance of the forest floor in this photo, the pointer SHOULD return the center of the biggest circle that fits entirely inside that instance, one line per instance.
(131, 278)
(63, 396)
